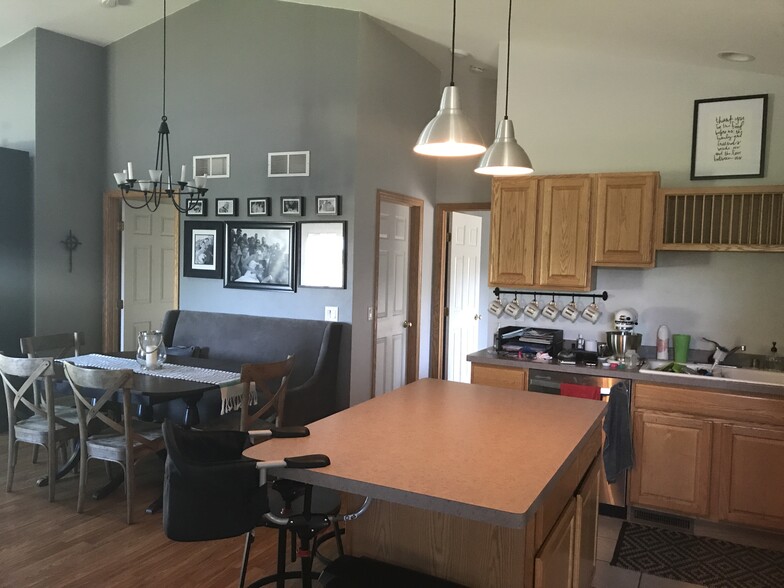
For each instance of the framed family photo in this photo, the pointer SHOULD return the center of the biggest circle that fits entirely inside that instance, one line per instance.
(227, 206)
(196, 207)
(322, 253)
(259, 207)
(728, 138)
(328, 205)
(292, 205)
(202, 253)
(261, 255)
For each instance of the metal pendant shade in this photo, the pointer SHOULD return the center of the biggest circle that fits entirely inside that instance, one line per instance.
(450, 133)
(505, 157)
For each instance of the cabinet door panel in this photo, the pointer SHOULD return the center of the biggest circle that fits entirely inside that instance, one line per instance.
(587, 518)
(564, 228)
(513, 232)
(752, 475)
(624, 220)
(553, 566)
(500, 377)
(672, 462)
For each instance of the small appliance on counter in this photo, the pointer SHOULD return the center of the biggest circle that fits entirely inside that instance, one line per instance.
(623, 338)
(528, 340)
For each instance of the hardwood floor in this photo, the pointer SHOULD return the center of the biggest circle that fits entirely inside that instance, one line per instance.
(45, 544)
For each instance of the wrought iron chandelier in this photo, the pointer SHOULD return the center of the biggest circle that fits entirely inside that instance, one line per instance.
(183, 195)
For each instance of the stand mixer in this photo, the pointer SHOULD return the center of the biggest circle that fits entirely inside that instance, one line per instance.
(623, 338)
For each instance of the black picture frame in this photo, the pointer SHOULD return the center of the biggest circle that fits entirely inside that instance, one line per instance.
(728, 137)
(259, 206)
(322, 254)
(198, 262)
(261, 256)
(328, 205)
(227, 206)
(196, 207)
(292, 205)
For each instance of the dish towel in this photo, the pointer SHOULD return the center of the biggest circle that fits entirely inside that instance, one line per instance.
(581, 391)
(618, 452)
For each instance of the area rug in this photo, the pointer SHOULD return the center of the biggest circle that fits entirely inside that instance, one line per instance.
(699, 560)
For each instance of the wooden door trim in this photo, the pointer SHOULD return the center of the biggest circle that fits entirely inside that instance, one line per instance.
(416, 208)
(437, 322)
(112, 268)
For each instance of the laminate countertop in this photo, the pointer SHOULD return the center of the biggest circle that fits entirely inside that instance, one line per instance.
(490, 357)
(472, 451)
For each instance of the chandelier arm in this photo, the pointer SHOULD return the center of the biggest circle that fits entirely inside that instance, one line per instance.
(128, 202)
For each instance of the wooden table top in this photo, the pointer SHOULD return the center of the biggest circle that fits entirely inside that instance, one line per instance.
(473, 451)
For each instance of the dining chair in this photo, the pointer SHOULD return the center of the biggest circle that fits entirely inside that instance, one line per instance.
(126, 441)
(47, 426)
(57, 346)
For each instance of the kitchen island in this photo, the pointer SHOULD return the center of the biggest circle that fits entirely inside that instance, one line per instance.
(479, 485)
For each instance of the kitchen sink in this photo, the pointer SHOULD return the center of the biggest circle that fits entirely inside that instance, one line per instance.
(726, 372)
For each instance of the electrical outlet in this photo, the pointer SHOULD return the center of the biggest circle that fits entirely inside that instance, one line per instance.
(331, 313)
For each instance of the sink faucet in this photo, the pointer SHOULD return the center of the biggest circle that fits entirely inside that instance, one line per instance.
(721, 353)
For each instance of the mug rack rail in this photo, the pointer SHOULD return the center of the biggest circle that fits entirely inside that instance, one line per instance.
(603, 295)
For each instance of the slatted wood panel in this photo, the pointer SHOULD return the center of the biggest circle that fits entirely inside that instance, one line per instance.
(49, 544)
(731, 219)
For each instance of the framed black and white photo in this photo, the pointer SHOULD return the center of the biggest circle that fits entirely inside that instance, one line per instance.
(261, 255)
(292, 205)
(202, 252)
(259, 207)
(728, 139)
(322, 254)
(227, 206)
(328, 205)
(196, 207)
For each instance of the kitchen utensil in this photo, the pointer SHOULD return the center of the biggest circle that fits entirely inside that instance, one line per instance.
(619, 342)
(680, 344)
(625, 319)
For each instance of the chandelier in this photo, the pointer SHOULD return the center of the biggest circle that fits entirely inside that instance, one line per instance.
(183, 195)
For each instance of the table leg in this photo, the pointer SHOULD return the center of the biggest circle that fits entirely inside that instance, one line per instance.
(64, 470)
(114, 481)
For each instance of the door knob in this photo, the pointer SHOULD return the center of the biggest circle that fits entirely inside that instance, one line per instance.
(407, 324)
(477, 317)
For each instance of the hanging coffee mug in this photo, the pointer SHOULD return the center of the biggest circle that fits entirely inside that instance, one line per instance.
(591, 313)
(496, 308)
(570, 311)
(532, 309)
(513, 309)
(551, 310)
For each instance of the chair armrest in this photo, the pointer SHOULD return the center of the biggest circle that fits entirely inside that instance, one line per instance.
(280, 432)
(313, 461)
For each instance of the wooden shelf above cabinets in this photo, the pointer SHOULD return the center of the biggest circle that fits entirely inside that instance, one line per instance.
(721, 219)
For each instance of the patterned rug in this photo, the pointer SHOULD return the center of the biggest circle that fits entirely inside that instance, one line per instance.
(699, 560)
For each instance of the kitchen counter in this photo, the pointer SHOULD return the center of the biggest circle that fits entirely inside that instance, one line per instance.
(490, 357)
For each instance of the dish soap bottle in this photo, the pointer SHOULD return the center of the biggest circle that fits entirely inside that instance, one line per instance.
(663, 342)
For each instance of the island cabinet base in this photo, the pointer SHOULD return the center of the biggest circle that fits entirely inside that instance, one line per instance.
(555, 549)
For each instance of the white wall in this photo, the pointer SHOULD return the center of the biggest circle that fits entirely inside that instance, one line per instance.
(589, 112)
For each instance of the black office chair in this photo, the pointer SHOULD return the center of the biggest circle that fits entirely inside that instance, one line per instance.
(212, 492)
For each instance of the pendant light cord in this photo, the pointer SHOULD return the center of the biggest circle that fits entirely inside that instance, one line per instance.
(164, 61)
(454, 24)
(508, 49)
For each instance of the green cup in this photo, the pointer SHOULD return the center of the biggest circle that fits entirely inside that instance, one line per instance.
(681, 344)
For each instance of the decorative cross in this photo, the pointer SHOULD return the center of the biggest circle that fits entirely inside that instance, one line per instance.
(71, 243)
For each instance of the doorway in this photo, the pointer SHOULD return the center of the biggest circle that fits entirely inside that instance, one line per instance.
(397, 291)
(151, 273)
(440, 327)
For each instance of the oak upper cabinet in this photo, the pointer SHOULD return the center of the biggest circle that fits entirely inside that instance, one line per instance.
(751, 475)
(540, 232)
(624, 222)
(672, 462)
(513, 232)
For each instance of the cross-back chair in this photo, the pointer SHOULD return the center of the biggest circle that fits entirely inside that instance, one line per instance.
(126, 441)
(48, 425)
(271, 381)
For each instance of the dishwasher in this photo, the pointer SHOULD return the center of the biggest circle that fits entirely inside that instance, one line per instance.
(612, 497)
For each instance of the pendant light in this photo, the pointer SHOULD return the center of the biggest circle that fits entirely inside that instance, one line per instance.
(505, 157)
(450, 133)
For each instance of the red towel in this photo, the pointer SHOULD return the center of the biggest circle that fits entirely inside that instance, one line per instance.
(580, 391)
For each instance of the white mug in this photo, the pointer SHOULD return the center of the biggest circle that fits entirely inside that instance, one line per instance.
(496, 308)
(551, 310)
(592, 313)
(591, 345)
(532, 310)
(570, 311)
(513, 309)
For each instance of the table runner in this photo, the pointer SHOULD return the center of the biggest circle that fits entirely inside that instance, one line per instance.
(229, 382)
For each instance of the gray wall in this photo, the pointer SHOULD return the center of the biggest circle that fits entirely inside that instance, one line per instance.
(17, 100)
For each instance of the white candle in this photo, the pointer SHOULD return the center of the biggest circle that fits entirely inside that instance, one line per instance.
(130, 171)
(182, 173)
(151, 357)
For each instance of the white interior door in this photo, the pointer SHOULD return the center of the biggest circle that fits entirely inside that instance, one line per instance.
(392, 303)
(147, 270)
(465, 250)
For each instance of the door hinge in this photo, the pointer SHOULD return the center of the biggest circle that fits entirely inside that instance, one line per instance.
(120, 305)
(120, 225)
(449, 237)
(446, 311)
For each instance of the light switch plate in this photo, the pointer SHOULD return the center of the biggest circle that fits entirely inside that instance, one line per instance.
(331, 313)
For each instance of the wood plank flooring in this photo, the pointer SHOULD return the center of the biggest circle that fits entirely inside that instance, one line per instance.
(45, 544)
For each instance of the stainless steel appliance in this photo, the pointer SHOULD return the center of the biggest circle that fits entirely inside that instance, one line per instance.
(612, 497)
